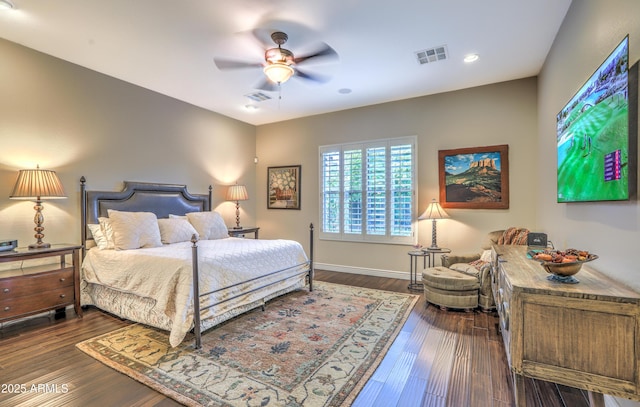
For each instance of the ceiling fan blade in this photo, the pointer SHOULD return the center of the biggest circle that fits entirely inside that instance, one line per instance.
(266, 85)
(311, 77)
(324, 52)
(263, 37)
(224, 64)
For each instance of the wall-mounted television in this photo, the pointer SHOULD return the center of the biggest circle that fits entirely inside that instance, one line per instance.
(593, 136)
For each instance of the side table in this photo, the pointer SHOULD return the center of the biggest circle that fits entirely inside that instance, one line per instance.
(432, 254)
(428, 255)
(413, 267)
(233, 232)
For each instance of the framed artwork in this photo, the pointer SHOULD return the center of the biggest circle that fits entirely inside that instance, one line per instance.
(283, 187)
(475, 177)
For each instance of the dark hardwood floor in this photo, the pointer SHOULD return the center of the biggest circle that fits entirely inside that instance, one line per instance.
(441, 358)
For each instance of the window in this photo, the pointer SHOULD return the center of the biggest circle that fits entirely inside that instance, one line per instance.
(367, 191)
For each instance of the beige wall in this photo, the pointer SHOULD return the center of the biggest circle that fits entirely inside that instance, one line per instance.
(79, 122)
(591, 30)
(504, 113)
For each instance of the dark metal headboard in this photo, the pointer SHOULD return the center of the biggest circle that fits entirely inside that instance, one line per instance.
(161, 199)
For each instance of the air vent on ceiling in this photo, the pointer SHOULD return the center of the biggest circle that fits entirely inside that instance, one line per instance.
(434, 54)
(258, 97)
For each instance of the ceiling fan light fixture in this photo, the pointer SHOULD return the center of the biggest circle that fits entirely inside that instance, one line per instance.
(6, 5)
(278, 72)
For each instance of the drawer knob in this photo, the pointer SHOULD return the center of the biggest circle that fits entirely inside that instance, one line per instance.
(62, 280)
(7, 308)
(6, 290)
(62, 295)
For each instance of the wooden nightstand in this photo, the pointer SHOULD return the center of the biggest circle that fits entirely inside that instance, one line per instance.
(243, 231)
(31, 290)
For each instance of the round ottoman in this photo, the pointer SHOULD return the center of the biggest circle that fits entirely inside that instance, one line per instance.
(450, 289)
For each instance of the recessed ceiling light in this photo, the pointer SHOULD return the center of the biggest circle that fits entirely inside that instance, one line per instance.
(6, 4)
(471, 58)
(251, 108)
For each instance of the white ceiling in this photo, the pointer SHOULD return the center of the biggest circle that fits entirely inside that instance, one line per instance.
(168, 46)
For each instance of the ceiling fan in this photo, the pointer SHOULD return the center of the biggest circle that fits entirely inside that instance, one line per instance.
(280, 64)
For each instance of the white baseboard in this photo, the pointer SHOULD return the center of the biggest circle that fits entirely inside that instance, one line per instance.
(403, 275)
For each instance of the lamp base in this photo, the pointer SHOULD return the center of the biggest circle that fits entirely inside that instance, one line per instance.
(39, 245)
(236, 227)
(434, 239)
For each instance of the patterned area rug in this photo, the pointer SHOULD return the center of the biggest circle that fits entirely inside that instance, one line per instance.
(305, 349)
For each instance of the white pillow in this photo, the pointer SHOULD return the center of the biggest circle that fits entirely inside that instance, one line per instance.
(107, 231)
(209, 225)
(98, 236)
(174, 230)
(486, 256)
(133, 230)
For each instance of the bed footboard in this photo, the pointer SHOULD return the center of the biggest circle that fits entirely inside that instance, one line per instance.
(197, 327)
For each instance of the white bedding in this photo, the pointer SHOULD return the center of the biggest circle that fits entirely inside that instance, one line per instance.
(164, 275)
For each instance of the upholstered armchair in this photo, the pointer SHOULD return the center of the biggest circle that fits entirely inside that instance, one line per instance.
(476, 265)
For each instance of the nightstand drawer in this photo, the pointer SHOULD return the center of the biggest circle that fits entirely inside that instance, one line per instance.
(36, 302)
(35, 283)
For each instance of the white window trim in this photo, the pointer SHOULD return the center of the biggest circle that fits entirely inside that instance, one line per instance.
(363, 237)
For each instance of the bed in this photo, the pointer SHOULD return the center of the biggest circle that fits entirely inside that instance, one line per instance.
(156, 254)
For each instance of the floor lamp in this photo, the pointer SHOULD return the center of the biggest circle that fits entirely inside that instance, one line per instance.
(38, 185)
(237, 193)
(434, 212)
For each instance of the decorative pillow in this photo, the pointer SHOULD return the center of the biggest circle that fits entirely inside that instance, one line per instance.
(479, 264)
(177, 216)
(107, 231)
(209, 225)
(133, 230)
(465, 268)
(486, 256)
(176, 230)
(515, 236)
(98, 236)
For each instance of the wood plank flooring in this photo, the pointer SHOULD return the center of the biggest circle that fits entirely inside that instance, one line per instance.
(443, 359)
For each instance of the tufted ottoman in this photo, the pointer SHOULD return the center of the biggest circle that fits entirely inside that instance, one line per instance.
(450, 289)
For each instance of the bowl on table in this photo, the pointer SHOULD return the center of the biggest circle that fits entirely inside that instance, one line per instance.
(564, 272)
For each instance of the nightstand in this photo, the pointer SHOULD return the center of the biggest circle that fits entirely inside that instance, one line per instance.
(31, 290)
(233, 232)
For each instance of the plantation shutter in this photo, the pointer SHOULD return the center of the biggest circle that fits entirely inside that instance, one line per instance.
(367, 191)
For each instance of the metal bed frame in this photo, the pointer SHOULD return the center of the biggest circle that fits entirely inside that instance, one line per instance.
(163, 200)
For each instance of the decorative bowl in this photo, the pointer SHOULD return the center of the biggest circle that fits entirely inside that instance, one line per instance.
(563, 272)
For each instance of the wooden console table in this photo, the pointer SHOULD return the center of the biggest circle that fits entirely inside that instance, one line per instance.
(583, 335)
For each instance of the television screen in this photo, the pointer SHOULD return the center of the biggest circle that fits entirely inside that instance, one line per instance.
(593, 135)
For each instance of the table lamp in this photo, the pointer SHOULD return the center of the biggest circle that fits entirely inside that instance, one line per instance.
(38, 185)
(434, 212)
(237, 193)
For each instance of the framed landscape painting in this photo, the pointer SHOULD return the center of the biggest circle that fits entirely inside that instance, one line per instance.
(475, 177)
(283, 187)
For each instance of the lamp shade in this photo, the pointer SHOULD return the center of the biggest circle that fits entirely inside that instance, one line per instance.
(237, 193)
(37, 185)
(278, 72)
(433, 211)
